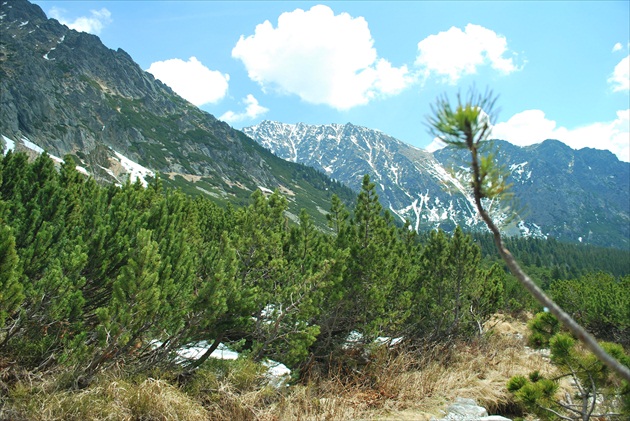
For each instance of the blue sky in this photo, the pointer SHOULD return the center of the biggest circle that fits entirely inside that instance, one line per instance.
(560, 68)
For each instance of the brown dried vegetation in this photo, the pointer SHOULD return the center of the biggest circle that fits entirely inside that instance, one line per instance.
(395, 384)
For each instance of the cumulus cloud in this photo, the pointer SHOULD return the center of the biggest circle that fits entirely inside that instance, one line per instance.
(532, 126)
(321, 57)
(456, 53)
(92, 24)
(620, 78)
(191, 80)
(252, 111)
(617, 47)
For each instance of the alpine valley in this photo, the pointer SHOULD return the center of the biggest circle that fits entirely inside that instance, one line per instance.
(64, 92)
(156, 263)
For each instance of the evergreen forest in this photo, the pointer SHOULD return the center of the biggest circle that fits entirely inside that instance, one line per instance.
(99, 276)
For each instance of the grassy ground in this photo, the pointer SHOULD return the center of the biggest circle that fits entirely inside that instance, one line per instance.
(395, 385)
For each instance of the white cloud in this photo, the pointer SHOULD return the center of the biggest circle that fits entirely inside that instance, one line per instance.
(191, 80)
(321, 57)
(252, 111)
(532, 126)
(617, 47)
(92, 24)
(620, 78)
(456, 53)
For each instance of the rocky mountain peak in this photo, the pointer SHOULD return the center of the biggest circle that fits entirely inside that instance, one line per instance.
(579, 196)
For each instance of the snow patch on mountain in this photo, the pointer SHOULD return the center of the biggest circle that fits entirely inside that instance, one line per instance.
(412, 183)
(9, 145)
(135, 170)
(30, 145)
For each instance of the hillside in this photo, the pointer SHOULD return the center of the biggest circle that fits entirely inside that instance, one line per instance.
(64, 92)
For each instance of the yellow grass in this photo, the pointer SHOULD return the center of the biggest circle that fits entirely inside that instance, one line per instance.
(394, 386)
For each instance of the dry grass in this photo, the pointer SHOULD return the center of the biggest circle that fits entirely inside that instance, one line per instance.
(109, 398)
(401, 386)
(479, 370)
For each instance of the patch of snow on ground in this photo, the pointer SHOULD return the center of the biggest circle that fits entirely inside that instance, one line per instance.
(395, 170)
(136, 171)
(277, 374)
(31, 145)
(386, 340)
(9, 145)
(24, 23)
(195, 351)
(49, 51)
(110, 172)
(518, 168)
(56, 159)
(82, 170)
(265, 190)
(524, 230)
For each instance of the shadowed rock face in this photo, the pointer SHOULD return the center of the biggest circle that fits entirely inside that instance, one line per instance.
(577, 196)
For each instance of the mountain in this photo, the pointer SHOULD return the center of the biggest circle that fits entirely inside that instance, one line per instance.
(577, 196)
(65, 92)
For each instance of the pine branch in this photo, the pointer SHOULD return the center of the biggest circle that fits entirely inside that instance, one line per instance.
(467, 127)
(587, 339)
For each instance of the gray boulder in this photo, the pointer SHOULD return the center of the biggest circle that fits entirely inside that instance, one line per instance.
(464, 409)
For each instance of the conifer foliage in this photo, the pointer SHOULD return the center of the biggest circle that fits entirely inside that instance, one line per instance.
(95, 276)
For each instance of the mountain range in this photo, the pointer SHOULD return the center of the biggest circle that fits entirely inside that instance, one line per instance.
(572, 195)
(64, 92)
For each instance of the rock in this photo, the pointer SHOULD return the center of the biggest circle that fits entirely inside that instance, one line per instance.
(465, 409)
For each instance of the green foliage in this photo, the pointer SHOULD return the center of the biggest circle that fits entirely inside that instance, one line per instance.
(549, 259)
(543, 327)
(599, 302)
(596, 392)
(93, 276)
(453, 295)
(11, 290)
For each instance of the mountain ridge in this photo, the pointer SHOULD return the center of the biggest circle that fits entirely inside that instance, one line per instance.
(430, 189)
(67, 93)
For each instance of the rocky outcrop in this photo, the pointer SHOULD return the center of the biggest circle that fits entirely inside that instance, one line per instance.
(464, 409)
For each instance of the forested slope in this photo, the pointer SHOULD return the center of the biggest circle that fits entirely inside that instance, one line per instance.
(93, 274)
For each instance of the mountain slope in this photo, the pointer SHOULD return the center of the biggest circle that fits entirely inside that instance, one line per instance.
(65, 92)
(411, 182)
(579, 196)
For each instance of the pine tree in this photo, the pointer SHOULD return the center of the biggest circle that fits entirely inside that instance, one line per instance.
(129, 316)
(597, 395)
(369, 279)
(11, 290)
